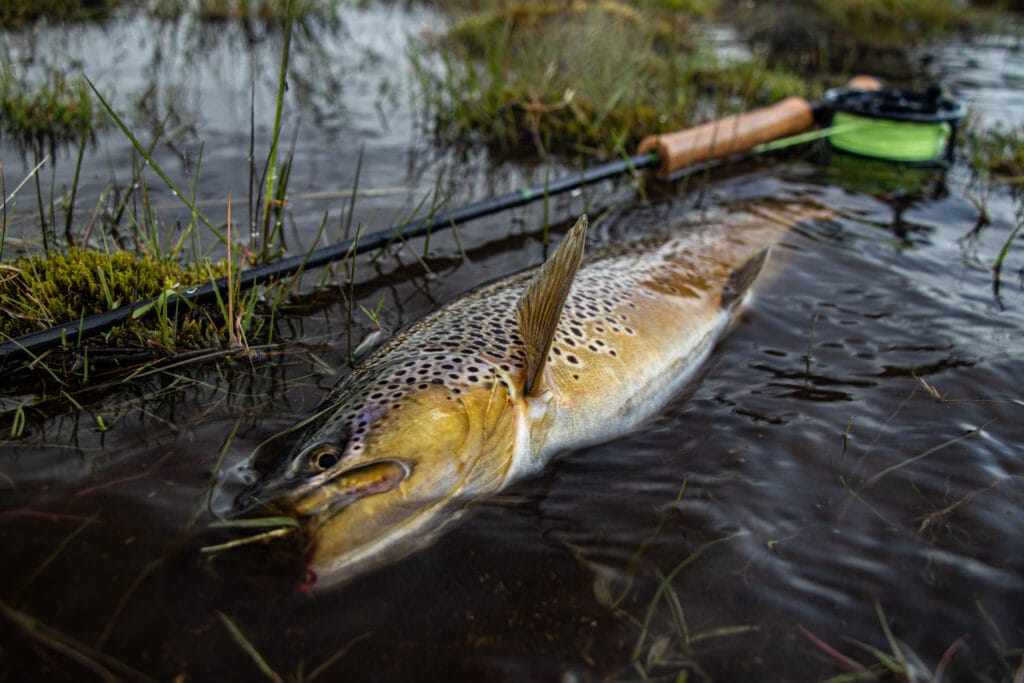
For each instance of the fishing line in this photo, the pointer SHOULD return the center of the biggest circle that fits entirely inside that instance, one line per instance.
(891, 140)
(894, 125)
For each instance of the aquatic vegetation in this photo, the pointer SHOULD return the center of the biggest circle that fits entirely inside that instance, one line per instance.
(44, 113)
(41, 291)
(874, 36)
(996, 158)
(18, 13)
(135, 258)
(902, 663)
(265, 11)
(675, 646)
(996, 151)
(590, 77)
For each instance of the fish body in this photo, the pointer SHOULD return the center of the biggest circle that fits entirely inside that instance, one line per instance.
(486, 389)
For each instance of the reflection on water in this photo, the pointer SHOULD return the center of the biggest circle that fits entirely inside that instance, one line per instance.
(848, 462)
(988, 73)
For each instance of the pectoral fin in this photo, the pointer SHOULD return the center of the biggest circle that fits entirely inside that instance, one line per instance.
(542, 301)
(741, 279)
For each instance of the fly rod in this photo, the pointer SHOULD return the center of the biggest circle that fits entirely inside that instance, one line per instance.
(670, 152)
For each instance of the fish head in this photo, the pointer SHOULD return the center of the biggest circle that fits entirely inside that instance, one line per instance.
(386, 462)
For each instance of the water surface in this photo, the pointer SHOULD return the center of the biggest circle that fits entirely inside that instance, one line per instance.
(849, 455)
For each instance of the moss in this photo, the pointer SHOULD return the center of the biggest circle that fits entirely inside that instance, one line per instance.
(42, 291)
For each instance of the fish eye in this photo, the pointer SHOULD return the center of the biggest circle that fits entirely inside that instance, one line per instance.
(324, 458)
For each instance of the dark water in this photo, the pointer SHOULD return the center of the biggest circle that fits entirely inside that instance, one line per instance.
(850, 456)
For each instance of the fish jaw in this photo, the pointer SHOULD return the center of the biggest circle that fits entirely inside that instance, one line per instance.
(371, 489)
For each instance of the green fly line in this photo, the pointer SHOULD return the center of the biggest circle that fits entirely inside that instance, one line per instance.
(810, 136)
(890, 139)
(877, 138)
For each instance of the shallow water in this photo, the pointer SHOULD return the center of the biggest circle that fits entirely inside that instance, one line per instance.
(851, 451)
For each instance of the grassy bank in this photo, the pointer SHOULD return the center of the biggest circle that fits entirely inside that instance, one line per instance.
(20, 13)
(39, 292)
(596, 76)
(121, 251)
(42, 114)
(583, 77)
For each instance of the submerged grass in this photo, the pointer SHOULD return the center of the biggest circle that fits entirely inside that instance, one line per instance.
(299, 675)
(902, 663)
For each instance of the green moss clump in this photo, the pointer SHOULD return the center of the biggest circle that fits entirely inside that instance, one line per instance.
(42, 291)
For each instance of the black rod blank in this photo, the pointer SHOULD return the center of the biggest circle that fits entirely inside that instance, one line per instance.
(31, 345)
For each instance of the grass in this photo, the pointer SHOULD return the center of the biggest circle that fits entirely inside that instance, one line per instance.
(582, 77)
(38, 292)
(267, 12)
(996, 158)
(17, 14)
(594, 77)
(246, 646)
(125, 254)
(675, 646)
(20, 13)
(44, 114)
(833, 36)
(667, 646)
(995, 152)
(901, 663)
(101, 665)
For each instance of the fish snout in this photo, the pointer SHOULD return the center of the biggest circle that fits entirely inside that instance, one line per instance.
(346, 487)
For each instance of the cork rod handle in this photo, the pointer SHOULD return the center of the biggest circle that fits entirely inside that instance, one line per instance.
(738, 133)
(731, 135)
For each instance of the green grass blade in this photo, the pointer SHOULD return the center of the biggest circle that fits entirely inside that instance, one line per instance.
(153, 164)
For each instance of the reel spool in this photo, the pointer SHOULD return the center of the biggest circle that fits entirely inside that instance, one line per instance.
(894, 125)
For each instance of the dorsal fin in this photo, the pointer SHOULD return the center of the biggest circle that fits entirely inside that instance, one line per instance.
(541, 304)
(741, 279)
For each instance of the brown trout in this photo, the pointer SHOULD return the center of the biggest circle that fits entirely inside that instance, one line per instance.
(490, 386)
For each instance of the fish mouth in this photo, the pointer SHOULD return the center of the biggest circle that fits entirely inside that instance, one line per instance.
(348, 486)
